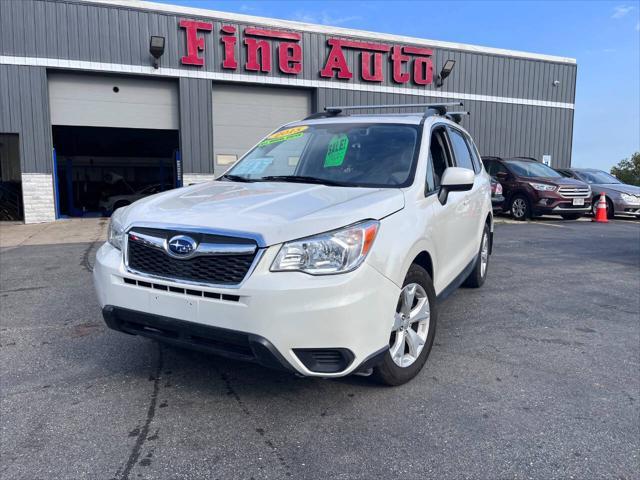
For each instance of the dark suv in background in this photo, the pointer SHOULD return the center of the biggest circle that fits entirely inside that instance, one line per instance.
(531, 188)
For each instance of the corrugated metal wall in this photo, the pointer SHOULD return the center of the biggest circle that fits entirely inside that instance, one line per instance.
(111, 34)
(24, 109)
(498, 128)
(196, 125)
(73, 30)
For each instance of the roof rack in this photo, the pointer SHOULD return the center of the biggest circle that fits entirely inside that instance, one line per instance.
(430, 109)
(456, 116)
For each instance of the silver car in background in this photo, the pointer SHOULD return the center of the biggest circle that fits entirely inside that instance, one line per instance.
(622, 199)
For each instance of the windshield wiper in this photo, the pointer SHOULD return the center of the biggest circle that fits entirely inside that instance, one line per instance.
(237, 178)
(304, 179)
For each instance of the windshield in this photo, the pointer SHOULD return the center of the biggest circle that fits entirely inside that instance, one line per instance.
(532, 169)
(597, 176)
(342, 154)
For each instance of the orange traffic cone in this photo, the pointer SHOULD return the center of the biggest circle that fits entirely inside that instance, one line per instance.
(601, 211)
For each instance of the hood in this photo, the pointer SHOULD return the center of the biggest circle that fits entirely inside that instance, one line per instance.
(616, 187)
(271, 212)
(561, 181)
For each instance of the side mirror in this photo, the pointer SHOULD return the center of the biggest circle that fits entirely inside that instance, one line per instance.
(455, 179)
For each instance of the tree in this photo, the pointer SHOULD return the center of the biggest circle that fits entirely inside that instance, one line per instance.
(628, 170)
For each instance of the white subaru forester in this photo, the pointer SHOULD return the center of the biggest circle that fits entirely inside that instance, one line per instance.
(323, 251)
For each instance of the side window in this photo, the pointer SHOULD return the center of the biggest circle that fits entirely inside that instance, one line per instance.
(460, 150)
(439, 159)
(498, 167)
(475, 156)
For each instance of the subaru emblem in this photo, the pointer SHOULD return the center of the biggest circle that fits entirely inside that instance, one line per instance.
(181, 246)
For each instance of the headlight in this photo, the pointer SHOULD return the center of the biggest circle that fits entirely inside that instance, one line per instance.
(543, 187)
(339, 251)
(115, 235)
(630, 198)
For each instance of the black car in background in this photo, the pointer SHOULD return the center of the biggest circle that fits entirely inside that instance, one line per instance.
(531, 188)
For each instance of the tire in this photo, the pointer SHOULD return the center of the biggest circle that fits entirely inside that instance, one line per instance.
(520, 207)
(120, 203)
(610, 209)
(571, 216)
(478, 275)
(389, 371)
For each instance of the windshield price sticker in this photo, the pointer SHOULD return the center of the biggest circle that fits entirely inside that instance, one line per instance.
(252, 166)
(336, 151)
(283, 135)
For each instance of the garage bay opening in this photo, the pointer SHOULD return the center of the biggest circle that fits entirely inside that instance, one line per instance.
(100, 169)
(115, 139)
(10, 178)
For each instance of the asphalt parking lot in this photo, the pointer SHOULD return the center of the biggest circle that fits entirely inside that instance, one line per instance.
(536, 375)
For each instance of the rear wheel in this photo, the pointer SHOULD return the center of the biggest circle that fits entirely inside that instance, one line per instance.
(520, 208)
(479, 273)
(413, 330)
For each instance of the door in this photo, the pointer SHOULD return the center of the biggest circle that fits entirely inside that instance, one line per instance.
(450, 242)
(244, 114)
(471, 207)
(88, 100)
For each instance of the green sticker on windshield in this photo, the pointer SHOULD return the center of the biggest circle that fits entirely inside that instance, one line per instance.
(336, 151)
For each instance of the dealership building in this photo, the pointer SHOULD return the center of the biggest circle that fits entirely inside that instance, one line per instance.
(112, 99)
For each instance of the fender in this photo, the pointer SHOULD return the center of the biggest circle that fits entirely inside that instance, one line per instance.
(393, 254)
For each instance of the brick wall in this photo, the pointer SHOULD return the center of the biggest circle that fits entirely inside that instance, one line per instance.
(38, 201)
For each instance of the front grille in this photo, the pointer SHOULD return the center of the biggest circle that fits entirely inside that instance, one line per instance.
(217, 269)
(574, 192)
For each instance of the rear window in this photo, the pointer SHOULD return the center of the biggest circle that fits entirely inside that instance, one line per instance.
(461, 150)
(366, 155)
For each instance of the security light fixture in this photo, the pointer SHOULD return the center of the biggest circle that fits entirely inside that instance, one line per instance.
(156, 48)
(445, 72)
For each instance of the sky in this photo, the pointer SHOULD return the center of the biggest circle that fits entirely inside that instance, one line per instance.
(604, 38)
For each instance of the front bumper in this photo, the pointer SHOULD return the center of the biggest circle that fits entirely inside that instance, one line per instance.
(620, 207)
(553, 203)
(273, 318)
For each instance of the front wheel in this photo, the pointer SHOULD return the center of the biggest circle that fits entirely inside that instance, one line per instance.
(610, 209)
(520, 209)
(413, 330)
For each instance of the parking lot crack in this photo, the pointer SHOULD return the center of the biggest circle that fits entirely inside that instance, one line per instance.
(143, 432)
(231, 391)
(87, 258)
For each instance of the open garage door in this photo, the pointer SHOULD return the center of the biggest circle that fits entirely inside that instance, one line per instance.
(243, 114)
(115, 139)
(10, 178)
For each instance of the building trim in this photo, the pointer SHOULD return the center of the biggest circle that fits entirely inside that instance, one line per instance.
(244, 78)
(328, 30)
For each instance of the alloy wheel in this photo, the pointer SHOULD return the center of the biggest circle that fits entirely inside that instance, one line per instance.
(484, 255)
(519, 208)
(411, 325)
